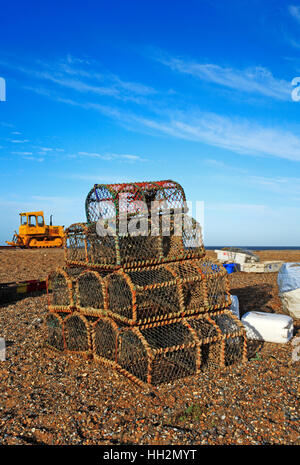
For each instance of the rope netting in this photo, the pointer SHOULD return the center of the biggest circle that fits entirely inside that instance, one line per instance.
(145, 301)
(86, 245)
(60, 289)
(161, 352)
(70, 333)
(159, 292)
(112, 200)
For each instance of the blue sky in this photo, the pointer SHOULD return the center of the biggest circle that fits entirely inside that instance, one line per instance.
(195, 91)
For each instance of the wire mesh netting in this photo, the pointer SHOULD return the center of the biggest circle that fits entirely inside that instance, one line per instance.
(112, 200)
(75, 243)
(54, 331)
(165, 351)
(91, 293)
(60, 289)
(70, 333)
(104, 335)
(85, 246)
(143, 300)
(166, 291)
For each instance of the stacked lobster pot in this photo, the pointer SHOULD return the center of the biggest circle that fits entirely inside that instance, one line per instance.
(137, 292)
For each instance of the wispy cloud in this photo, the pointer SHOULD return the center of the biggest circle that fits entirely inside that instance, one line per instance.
(294, 11)
(113, 156)
(95, 178)
(21, 153)
(46, 149)
(218, 164)
(78, 75)
(236, 207)
(18, 141)
(235, 134)
(255, 80)
(239, 135)
(282, 185)
(40, 159)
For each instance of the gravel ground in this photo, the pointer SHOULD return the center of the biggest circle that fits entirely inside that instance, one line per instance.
(48, 398)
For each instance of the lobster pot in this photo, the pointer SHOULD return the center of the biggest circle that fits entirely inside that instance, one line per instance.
(90, 293)
(112, 200)
(104, 336)
(142, 295)
(222, 339)
(60, 289)
(54, 331)
(217, 284)
(144, 242)
(77, 334)
(70, 333)
(165, 351)
(157, 354)
(150, 294)
(75, 244)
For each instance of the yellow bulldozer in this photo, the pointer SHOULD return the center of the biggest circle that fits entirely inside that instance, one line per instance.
(34, 233)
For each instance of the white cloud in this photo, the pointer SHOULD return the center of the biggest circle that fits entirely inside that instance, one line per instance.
(17, 141)
(34, 159)
(235, 207)
(238, 135)
(295, 11)
(256, 80)
(217, 164)
(283, 185)
(95, 178)
(46, 149)
(21, 153)
(113, 156)
(280, 185)
(64, 74)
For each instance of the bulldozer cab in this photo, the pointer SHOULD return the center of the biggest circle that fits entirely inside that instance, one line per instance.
(31, 222)
(32, 219)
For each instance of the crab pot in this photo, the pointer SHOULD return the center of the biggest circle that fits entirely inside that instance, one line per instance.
(102, 248)
(234, 346)
(157, 354)
(60, 289)
(165, 351)
(142, 295)
(150, 294)
(54, 334)
(217, 284)
(107, 200)
(104, 337)
(75, 244)
(77, 334)
(90, 293)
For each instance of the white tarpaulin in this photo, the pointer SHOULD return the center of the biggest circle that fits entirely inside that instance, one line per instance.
(269, 327)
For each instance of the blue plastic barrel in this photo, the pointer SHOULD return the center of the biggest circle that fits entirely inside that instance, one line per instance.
(230, 267)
